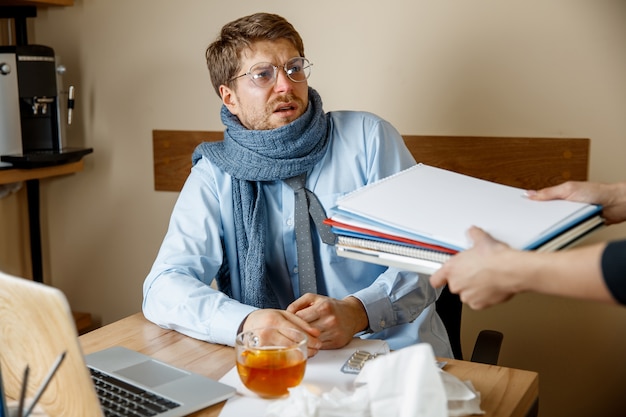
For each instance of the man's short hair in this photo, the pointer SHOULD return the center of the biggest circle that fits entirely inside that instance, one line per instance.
(224, 55)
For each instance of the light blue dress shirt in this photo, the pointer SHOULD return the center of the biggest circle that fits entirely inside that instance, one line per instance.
(177, 294)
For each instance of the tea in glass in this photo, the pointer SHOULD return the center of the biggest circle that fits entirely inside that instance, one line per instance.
(271, 360)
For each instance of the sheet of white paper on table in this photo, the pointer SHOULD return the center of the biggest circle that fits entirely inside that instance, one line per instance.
(323, 373)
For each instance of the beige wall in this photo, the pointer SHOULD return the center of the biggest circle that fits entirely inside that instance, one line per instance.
(478, 67)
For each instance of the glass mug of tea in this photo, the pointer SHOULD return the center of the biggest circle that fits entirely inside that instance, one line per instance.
(271, 360)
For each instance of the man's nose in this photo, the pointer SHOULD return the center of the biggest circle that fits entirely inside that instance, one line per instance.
(283, 82)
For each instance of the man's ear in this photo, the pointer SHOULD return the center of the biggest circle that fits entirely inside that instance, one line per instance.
(229, 98)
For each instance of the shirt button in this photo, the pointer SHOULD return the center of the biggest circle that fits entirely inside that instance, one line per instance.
(289, 222)
(382, 323)
(295, 270)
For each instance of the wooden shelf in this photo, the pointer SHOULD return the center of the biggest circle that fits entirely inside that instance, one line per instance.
(42, 3)
(9, 175)
(84, 322)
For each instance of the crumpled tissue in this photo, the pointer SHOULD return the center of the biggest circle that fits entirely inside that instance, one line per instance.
(463, 399)
(404, 383)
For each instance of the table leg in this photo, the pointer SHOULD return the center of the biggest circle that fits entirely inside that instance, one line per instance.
(34, 225)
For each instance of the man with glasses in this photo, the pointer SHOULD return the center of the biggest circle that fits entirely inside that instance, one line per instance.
(242, 216)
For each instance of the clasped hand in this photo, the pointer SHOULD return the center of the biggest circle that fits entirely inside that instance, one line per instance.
(329, 323)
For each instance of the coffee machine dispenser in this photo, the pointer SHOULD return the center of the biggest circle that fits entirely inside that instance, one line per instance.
(31, 108)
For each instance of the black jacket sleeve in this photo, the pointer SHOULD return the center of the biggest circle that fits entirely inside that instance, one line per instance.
(614, 269)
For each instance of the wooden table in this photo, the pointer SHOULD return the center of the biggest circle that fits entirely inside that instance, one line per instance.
(505, 391)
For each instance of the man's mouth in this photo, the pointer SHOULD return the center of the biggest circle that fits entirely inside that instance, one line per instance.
(284, 108)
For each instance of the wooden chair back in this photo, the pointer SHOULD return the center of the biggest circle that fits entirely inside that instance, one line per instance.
(529, 163)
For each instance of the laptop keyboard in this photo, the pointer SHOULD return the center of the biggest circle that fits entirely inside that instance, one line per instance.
(121, 399)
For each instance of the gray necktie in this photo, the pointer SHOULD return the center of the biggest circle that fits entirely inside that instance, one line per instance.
(307, 203)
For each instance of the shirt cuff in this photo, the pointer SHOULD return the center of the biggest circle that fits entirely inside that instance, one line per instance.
(378, 308)
(225, 325)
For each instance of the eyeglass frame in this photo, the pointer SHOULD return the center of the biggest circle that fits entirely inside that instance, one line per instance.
(306, 65)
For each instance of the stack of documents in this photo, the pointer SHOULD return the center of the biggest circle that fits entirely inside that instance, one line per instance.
(418, 218)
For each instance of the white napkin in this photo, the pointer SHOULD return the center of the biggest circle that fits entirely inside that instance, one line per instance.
(404, 383)
(463, 399)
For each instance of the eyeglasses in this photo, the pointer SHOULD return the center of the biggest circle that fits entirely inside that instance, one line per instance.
(264, 74)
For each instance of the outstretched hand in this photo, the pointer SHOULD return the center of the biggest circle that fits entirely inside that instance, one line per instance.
(475, 274)
(612, 197)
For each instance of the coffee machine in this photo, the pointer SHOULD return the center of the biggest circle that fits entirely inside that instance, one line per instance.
(33, 114)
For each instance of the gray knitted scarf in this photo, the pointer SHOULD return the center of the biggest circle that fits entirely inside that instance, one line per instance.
(251, 157)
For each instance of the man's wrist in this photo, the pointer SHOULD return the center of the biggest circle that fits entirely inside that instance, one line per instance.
(360, 314)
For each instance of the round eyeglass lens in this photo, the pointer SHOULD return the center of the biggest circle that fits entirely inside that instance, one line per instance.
(298, 69)
(263, 74)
